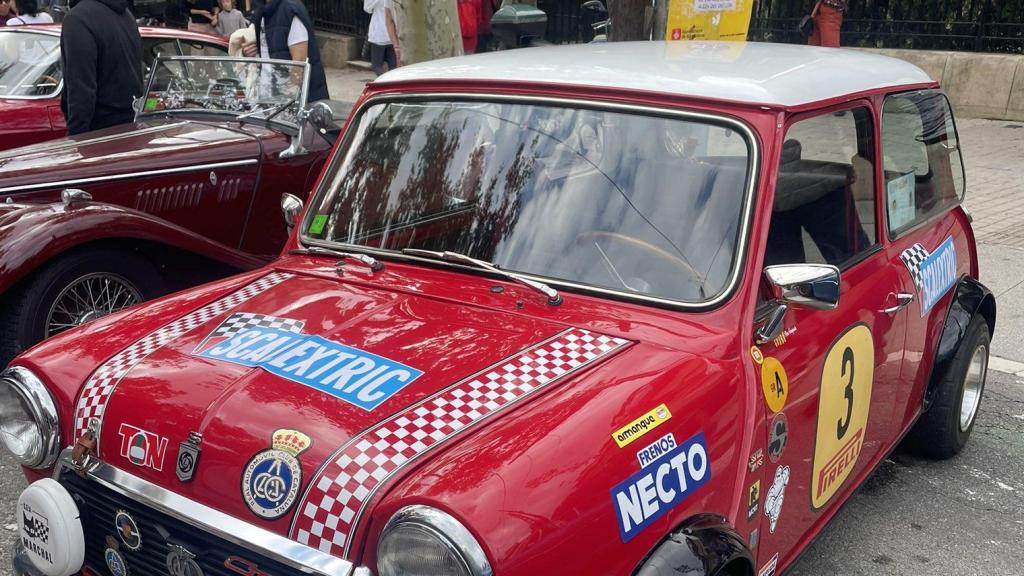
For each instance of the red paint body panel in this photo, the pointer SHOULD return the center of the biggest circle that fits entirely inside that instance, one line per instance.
(533, 482)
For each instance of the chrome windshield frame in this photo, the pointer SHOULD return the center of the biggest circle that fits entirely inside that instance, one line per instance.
(301, 103)
(746, 210)
(253, 538)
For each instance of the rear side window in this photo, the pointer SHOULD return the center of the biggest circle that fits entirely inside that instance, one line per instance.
(923, 170)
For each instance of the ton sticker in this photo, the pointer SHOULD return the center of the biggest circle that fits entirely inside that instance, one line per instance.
(843, 404)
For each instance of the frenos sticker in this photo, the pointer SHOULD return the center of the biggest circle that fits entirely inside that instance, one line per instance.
(276, 345)
(653, 491)
(934, 274)
(642, 425)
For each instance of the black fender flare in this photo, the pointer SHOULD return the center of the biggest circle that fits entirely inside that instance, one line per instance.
(970, 298)
(702, 546)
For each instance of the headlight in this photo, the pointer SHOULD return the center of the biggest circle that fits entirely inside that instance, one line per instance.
(424, 541)
(28, 419)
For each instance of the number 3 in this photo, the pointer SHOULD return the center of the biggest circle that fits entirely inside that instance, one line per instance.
(843, 424)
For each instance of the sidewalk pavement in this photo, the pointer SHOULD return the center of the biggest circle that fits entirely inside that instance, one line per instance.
(347, 84)
(993, 153)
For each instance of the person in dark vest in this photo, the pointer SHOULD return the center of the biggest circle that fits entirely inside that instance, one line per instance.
(284, 31)
(101, 50)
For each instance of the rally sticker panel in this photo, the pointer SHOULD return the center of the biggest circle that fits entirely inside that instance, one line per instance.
(933, 273)
(277, 346)
(843, 405)
(661, 486)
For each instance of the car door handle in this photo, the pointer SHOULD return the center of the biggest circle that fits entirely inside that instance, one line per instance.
(903, 299)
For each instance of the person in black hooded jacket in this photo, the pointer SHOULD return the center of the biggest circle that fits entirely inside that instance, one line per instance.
(102, 53)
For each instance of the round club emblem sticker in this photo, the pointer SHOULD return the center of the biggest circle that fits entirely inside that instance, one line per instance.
(127, 530)
(115, 562)
(272, 478)
(270, 483)
(777, 436)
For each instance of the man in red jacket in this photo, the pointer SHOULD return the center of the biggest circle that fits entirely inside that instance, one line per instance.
(469, 20)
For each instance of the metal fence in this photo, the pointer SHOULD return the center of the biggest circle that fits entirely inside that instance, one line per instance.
(972, 25)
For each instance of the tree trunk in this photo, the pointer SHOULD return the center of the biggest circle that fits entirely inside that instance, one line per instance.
(629, 20)
(427, 29)
(660, 19)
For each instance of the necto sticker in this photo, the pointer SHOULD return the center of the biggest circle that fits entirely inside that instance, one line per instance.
(653, 491)
(350, 374)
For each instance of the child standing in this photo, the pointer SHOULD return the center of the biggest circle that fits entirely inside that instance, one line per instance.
(229, 19)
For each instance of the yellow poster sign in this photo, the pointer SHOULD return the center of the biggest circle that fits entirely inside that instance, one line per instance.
(708, 19)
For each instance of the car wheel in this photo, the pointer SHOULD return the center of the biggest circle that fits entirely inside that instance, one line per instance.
(72, 290)
(942, 431)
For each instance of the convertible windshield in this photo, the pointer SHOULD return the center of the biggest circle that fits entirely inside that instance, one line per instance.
(643, 204)
(29, 64)
(259, 89)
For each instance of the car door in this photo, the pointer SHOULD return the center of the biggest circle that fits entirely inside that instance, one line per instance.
(827, 375)
(924, 181)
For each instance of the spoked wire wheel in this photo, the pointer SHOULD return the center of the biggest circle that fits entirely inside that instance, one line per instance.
(88, 298)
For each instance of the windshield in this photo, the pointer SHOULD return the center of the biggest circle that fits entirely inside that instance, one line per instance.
(29, 65)
(641, 204)
(257, 88)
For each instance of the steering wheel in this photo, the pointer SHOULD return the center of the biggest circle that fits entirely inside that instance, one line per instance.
(651, 249)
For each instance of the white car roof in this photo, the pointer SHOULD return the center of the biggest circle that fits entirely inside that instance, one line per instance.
(783, 75)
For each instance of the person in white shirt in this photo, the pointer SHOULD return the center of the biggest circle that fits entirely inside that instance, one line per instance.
(284, 31)
(29, 13)
(382, 36)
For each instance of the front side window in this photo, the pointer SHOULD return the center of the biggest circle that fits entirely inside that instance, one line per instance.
(824, 210)
(642, 204)
(923, 170)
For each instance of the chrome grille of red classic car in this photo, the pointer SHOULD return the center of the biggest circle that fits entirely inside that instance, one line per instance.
(159, 538)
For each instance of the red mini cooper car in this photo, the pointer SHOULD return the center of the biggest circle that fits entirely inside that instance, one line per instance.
(621, 309)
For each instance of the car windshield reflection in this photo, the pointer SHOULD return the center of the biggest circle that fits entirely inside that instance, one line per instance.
(266, 90)
(641, 204)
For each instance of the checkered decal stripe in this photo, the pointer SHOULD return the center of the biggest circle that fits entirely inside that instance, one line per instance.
(241, 321)
(101, 384)
(336, 496)
(913, 257)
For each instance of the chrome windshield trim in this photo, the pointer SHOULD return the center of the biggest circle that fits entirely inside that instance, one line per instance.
(39, 32)
(125, 176)
(298, 556)
(746, 214)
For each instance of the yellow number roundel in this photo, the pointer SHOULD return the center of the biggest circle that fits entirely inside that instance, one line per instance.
(843, 405)
(774, 383)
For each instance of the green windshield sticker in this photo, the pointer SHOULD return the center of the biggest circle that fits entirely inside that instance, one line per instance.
(317, 226)
(151, 103)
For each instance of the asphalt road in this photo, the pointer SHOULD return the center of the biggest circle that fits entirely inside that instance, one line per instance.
(964, 516)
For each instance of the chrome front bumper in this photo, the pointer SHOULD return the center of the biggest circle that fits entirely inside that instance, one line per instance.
(243, 534)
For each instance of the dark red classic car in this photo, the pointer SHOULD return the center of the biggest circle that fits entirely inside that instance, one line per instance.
(189, 192)
(636, 308)
(31, 75)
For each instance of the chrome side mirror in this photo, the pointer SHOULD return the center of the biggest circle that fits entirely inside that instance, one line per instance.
(291, 207)
(811, 286)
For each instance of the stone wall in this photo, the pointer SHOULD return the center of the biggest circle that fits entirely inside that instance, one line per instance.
(979, 85)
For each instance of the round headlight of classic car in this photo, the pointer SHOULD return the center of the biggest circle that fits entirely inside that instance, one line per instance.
(28, 419)
(424, 541)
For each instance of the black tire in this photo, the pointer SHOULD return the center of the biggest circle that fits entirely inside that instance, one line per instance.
(25, 309)
(939, 433)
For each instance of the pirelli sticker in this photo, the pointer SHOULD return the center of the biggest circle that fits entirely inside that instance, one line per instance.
(843, 405)
(642, 425)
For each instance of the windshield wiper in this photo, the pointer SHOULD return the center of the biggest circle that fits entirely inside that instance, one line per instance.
(553, 297)
(371, 262)
(274, 112)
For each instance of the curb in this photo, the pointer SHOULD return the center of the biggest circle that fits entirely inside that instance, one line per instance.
(1006, 366)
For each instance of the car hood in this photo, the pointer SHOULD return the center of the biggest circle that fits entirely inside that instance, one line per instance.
(125, 149)
(224, 372)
